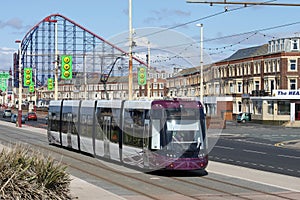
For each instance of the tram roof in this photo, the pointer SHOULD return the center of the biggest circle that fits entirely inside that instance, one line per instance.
(109, 103)
(138, 104)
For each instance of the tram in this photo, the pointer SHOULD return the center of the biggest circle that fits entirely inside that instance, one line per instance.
(149, 134)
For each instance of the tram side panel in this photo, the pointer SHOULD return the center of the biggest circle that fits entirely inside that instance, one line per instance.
(136, 133)
(69, 116)
(86, 126)
(107, 136)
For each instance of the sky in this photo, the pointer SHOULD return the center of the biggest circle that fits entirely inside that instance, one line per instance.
(223, 32)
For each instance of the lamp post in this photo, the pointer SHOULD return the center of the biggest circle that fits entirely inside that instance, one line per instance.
(56, 57)
(201, 62)
(56, 62)
(130, 78)
(148, 70)
(20, 84)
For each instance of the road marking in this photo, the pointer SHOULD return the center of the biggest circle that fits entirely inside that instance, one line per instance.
(253, 142)
(287, 156)
(250, 151)
(222, 147)
(154, 178)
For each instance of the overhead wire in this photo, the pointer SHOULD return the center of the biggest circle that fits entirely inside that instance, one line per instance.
(253, 33)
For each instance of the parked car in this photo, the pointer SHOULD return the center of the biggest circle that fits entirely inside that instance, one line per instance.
(7, 113)
(31, 116)
(243, 117)
(14, 118)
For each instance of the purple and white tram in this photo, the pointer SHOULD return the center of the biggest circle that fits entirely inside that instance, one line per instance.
(150, 134)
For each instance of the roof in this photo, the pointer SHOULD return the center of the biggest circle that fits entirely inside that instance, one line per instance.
(248, 53)
(190, 71)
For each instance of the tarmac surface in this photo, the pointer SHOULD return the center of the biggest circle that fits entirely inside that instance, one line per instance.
(83, 190)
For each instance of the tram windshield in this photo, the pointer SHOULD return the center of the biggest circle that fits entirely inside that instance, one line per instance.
(183, 138)
(183, 131)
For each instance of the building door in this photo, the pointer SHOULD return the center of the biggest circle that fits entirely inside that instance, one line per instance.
(297, 111)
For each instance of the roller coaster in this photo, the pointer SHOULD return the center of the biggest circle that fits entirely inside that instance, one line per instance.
(57, 35)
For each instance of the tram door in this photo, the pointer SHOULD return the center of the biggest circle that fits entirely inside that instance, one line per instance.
(106, 135)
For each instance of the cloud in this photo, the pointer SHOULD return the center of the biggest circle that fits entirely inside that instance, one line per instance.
(6, 50)
(14, 23)
(6, 57)
(165, 14)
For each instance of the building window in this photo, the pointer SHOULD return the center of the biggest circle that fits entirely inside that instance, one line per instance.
(265, 67)
(257, 107)
(217, 89)
(239, 87)
(249, 69)
(239, 106)
(231, 87)
(295, 44)
(270, 107)
(283, 108)
(277, 46)
(292, 84)
(293, 64)
(282, 45)
(257, 85)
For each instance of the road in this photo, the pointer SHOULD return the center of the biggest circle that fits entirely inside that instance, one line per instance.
(254, 146)
(248, 145)
(41, 121)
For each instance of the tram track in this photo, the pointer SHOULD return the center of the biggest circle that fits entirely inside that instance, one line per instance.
(108, 170)
(153, 189)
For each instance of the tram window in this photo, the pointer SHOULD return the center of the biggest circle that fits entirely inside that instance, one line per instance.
(157, 114)
(108, 121)
(54, 121)
(114, 136)
(134, 126)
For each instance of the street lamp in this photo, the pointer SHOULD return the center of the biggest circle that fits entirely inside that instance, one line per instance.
(56, 62)
(20, 84)
(130, 78)
(56, 58)
(201, 62)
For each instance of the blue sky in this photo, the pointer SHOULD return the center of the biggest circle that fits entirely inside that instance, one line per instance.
(110, 18)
